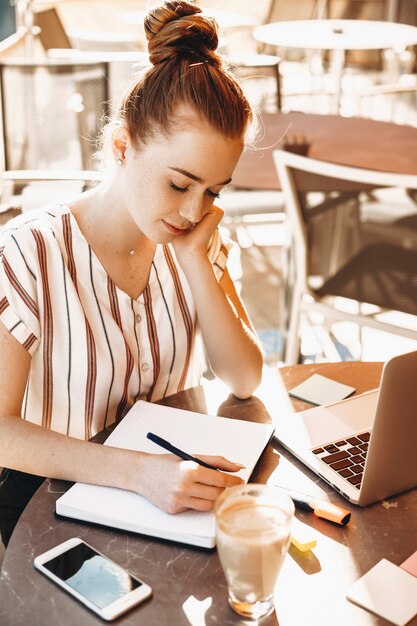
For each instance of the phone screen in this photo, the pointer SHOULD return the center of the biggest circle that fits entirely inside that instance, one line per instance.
(92, 575)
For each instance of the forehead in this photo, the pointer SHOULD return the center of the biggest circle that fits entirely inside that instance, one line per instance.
(193, 145)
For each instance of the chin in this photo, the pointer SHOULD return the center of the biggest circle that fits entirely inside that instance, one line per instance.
(161, 237)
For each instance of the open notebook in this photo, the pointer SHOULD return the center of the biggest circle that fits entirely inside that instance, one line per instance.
(195, 433)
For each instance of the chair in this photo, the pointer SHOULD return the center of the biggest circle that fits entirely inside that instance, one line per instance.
(383, 216)
(288, 79)
(51, 29)
(258, 66)
(280, 10)
(245, 210)
(57, 102)
(248, 61)
(14, 44)
(7, 212)
(23, 190)
(382, 274)
(391, 102)
(52, 112)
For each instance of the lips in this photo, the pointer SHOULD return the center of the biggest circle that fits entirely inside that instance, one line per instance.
(174, 229)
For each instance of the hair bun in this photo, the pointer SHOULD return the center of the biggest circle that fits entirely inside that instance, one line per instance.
(178, 29)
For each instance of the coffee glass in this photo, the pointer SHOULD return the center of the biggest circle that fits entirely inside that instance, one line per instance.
(253, 525)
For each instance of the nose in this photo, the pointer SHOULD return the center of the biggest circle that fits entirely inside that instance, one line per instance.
(192, 209)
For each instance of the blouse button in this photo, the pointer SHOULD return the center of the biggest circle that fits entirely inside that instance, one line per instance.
(145, 367)
(138, 318)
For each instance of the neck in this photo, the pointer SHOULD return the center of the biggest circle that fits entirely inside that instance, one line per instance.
(105, 222)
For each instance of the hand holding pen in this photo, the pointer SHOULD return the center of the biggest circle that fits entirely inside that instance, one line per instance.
(166, 445)
(175, 487)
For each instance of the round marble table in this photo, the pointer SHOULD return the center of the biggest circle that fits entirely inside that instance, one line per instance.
(338, 36)
(188, 583)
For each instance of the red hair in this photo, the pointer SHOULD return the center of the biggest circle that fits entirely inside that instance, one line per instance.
(186, 70)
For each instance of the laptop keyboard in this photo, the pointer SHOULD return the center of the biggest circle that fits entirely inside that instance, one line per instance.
(346, 457)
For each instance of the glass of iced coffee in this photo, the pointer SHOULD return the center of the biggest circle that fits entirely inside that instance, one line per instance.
(253, 525)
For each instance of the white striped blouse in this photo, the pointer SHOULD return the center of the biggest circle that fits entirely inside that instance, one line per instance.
(94, 349)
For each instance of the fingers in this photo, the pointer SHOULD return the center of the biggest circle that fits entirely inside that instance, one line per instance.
(221, 463)
(187, 503)
(214, 478)
(215, 214)
(200, 491)
(199, 504)
(204, 477)
(198, 487)
(176, 485)
(210, 220)
(196, 496)
(218, 479)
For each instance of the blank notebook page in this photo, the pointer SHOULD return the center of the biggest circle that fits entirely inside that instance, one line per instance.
(195, 433)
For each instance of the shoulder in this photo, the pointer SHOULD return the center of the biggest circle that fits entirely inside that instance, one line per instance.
(23, 233)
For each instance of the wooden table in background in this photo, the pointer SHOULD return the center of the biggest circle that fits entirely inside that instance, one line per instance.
(188, 583)
(352, 141)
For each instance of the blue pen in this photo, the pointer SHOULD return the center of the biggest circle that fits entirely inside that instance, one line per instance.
(183, 455)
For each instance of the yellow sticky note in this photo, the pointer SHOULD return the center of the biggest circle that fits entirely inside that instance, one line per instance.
(302, 536)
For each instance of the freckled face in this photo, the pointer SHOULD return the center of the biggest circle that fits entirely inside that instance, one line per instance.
(171, 183)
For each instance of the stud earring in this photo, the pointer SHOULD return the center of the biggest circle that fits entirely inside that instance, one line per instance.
(120, 162)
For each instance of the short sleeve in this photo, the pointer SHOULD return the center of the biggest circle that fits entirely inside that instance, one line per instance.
(218, 252)
(19, 310)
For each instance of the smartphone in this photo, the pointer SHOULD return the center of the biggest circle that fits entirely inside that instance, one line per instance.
(96, 581)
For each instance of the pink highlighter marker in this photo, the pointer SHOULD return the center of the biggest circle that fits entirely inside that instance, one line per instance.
(322, 508)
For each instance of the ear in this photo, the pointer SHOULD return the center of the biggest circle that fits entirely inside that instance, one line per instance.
(119, 141)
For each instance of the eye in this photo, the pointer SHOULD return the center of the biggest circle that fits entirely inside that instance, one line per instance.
(212, 194)
(180, 189)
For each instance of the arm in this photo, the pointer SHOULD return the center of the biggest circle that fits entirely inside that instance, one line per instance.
(229, 338)
(167, 481)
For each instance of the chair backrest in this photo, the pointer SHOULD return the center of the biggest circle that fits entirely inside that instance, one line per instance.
(339, 172)
(346, 181)
(359, 9)
(282, 10)
(8, 213)
(52, 112)
(52, 32)
(13, 45)
(22, 44)
(390, 102)
(28, 189)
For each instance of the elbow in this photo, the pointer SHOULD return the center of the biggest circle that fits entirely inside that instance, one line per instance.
(248, 383)
(4, 421)
(242, 376)
(4, 439)
(243, 392)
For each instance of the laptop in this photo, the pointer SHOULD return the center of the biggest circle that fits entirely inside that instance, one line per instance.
(365, 446)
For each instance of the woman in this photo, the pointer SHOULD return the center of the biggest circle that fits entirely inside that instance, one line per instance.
(101, 299)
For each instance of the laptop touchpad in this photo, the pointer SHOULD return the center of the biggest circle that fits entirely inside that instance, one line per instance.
(357, 413)
(323, 425)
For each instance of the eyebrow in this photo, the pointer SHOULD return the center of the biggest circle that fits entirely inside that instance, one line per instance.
(197, 178)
